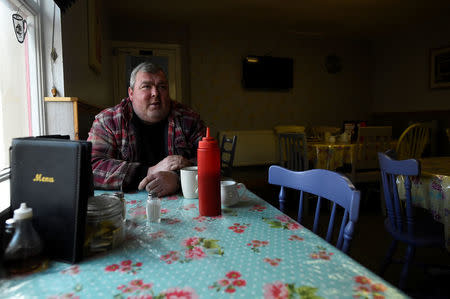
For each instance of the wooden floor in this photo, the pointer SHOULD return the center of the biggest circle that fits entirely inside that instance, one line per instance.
(370, 241)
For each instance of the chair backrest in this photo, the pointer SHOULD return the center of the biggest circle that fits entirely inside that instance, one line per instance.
(293, 151)
(447, 131)
(400, 218)
(413, 141)
(370, 141)
(227, 149)
(324, 184)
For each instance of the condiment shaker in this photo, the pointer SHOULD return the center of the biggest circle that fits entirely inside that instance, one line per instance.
(153, 208)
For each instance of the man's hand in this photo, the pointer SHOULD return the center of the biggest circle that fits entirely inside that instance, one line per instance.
(169, 163)
(162, 183)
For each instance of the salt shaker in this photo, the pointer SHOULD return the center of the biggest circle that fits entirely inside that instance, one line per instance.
(153, 208)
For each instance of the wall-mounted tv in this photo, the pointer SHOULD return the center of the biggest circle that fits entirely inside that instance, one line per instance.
(267, 72)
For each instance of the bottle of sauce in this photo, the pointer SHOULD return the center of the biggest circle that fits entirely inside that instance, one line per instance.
(24, 252)
(208, 161)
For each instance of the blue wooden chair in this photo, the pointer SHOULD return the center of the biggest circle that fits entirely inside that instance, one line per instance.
(401, 221)
(324, 184)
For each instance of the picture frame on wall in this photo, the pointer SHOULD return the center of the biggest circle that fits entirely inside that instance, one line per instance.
(440, 68)
(94, 35)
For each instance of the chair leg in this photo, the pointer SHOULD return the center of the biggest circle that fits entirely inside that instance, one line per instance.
(410, 252)
(388, 259)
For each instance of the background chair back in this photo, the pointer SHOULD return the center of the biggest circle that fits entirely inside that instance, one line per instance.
(227, 149)
(402, 223)
(293, 151)
(325, 185)
(413, 141)
(370, 141)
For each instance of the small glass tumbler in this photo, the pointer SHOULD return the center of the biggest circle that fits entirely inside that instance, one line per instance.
(153, 208)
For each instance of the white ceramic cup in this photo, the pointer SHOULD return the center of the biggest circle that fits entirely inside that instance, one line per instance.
(230, 194)
(189, 181)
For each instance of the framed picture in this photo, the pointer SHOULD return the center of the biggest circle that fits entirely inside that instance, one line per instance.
(94, 35)
(440, 68)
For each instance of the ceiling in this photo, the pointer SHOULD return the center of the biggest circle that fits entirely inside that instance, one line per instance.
(304, 17)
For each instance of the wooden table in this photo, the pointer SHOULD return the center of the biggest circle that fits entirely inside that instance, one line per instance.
(251, 251)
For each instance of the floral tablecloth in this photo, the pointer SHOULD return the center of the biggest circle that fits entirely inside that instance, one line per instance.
(431, 190)
(251, 251)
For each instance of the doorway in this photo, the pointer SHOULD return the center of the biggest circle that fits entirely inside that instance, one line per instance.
(126, 56)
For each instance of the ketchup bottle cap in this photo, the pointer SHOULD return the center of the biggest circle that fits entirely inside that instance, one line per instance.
(208, 141)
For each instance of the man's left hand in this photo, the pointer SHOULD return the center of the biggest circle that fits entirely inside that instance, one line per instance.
(162, 183)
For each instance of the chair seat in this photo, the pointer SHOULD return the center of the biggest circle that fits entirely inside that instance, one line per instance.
(427, 233)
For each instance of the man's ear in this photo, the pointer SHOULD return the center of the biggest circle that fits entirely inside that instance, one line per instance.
(130, 93)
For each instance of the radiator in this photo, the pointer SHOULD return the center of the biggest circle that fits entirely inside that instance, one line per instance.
(253, 147)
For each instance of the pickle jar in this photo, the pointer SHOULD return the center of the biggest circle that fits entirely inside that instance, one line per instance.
(104, 224)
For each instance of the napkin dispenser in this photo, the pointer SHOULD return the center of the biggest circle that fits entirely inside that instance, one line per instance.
(54, 177)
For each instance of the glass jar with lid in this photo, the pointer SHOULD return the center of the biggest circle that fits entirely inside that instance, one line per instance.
(104, 224)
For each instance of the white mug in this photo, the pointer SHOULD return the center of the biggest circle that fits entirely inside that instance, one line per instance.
(229, 193)
(189, 181)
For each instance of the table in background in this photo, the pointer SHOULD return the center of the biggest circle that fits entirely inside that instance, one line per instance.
(251, 251)
(331, 156)
(431, 190)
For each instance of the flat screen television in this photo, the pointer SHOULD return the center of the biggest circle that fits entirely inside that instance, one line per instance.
(267, 72)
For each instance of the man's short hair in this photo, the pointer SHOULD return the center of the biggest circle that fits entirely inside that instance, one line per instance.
(146, 67)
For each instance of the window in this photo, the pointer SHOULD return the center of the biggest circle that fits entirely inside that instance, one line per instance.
(21, 80)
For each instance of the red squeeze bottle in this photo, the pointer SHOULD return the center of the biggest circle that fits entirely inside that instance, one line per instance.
(208, 162)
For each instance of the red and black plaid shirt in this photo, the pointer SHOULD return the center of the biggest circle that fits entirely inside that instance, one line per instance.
(114, 154)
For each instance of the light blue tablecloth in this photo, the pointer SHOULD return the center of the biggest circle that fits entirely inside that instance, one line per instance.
(251, 251)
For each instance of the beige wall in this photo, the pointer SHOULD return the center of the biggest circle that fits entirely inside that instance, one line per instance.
(79, 79)
(317, 97)
(402, 71)
(390, 74)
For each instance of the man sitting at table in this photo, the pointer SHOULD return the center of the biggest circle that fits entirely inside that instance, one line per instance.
(142, 142)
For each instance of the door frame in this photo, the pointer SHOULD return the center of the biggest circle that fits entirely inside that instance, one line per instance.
(171, 51)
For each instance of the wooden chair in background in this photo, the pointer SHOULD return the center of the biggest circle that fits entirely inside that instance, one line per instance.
(293, 151)
(327, 185)
(227, 149)
(413, 141)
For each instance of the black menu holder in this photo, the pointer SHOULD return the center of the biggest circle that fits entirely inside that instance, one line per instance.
(54, 177)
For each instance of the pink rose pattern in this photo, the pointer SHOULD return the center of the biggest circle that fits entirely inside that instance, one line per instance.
(70, 295)
(281, 290)
(200, 228)
(72, 270)
(229, 283)
(126, 266)
(203, 218)
(258, 208)
(137, 289)
(364, 288)
(239, 228)
(272, 262)
(282, 221)
(157, 235)
(295, 238)
(321, 254)
(195, 248)
(256, 244)
(189, 207)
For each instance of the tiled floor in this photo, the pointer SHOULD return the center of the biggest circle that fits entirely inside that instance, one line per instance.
(370, 242)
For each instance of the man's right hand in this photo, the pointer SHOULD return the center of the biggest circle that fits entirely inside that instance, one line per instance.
(169, 163)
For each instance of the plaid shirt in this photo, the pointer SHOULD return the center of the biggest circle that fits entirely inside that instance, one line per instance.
(114, 154)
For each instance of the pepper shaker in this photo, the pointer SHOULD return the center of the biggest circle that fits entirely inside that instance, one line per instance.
(153, 208)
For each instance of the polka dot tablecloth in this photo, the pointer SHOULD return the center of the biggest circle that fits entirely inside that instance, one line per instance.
(251, 251)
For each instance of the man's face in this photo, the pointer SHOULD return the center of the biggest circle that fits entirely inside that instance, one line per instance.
(150, 97)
